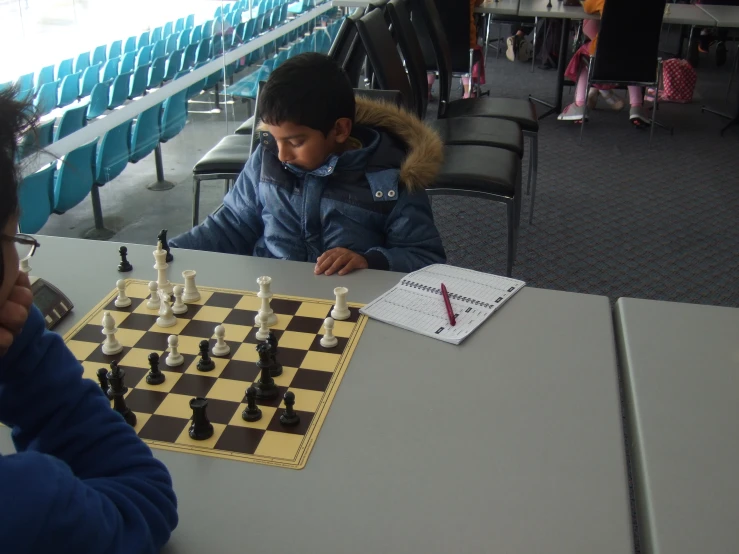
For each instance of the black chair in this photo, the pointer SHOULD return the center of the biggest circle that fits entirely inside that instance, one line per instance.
(479, 171)
(347, 50)
(628, 49)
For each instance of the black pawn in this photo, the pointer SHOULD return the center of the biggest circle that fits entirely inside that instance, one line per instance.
(116, 391)
(201, 427)
(103, 379)
(124, 266)
(266, 387)
(549, 5)
(251, 412)
(276, 369)
(162, 237)
(289, 416)
(155, 376)
(205, 363)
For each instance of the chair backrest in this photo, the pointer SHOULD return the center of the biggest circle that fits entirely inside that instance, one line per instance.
(628, 46)
(99, 99)
(174, 116)
(100, 55)
(37, 140)
(171, 44)
(405, 34)
(35, 195)
(190, 21)
(179, 25)
(144, 40)
(156, 34)
(130, 45)
(159, 50)
(143, 56)
(116, 49)
(70, 89)
(197, 34)
(216, 46)
(208, 29)
(140, 81)
(382, 53)
(128, 63)
(45, 75)
(74, 177)
(110, 71)
(83, 62)
(25, 82)
(47, 98)
(157, 72)
(184, 38)
(280, 59)
(145, 133)
(175, 63)
(112, 153)
(72, 121)
(120, 89)
(198, 86)
(65, 68)
(90, 78)
(203, 50)
(347, 50)
(213, 79)
(168, 28)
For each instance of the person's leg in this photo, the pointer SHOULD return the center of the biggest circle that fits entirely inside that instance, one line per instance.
(590, 28)
(430, 78)
(721, 35)
(466, 86)
(637, 113)
(576, 110)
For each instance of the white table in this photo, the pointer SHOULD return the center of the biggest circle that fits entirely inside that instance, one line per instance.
(725, 16)
(681, 372)
(538, 8)
(498, 7)
(511, 442)
(688, 14)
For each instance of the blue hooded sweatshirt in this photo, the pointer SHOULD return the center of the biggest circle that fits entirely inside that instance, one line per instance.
(370, 200)
(81, 481)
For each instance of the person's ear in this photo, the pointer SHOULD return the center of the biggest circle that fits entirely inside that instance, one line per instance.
(343, 129)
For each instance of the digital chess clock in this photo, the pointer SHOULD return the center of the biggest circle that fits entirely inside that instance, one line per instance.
(52, 302)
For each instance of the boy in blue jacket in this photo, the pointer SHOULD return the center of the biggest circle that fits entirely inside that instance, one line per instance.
(81, 480)
(334, 181)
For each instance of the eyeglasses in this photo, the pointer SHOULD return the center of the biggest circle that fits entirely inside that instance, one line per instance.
(25, 245)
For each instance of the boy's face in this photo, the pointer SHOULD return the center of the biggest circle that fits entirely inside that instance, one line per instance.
(10, 260)
(308, 148)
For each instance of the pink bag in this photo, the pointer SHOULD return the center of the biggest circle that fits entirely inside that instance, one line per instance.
(678, 82)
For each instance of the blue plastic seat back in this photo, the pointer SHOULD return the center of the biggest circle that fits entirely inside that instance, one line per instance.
(249, 31)
(143, 40)
(145, 133)
(143, 56)
(171, 44)
(203, 51)
(100, 54)
(196, 34)
(280, 59)
(227, 9)
(156, 34)
(34, 197)
(294, 50)
(130, 45)
(65, 68)
(25, 82)
(128, 63)
(184, 38)
(83, 62)
(323, 42)
(216, 46)
(179, 25)
(120, 89)
(90, 78)
(208, 29)
(112, 153)
(157, 72)
(168, 29)
(45, 75)
(174, 116)
(181, 74)
(175, 63)
(218, 12)
(33, 142)
(139, 81)
(99, 99)
(239, 33)
(70, 89)
(110, 71)
(198, 86)
(268, 49)
(190, 21)
(159, 50)
(72, 121)
(74, 177)
(213, 79)
(116, 49)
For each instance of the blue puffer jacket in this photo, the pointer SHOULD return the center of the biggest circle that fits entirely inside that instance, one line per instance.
(370, 200)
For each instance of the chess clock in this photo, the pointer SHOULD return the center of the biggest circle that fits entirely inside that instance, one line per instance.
(52, 302)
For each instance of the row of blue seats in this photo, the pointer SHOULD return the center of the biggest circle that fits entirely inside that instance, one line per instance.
(62, 185)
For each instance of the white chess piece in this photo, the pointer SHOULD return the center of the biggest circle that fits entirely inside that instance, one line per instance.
(265, 310)
(221, 348)
(328, 340)
(111, 346)
(174, 358)
(179, 307)
(340, 311)
(263, 333)
(25, 266)
(161, 265)
(166, 316)
(153, 302)
(191, 291)
(122, 301)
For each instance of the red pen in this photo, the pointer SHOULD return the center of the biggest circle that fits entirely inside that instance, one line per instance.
(449, 310)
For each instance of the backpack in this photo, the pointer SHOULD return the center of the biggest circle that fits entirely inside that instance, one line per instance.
(678, 82)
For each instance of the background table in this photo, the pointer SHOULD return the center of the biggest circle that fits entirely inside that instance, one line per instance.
(688, 14)
(499, 7)
(725, 16)
(681, 367)
(511, 442)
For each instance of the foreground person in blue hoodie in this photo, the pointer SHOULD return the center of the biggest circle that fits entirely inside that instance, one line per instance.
(81, 481)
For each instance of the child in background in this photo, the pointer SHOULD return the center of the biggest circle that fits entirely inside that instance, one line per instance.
(81, 480)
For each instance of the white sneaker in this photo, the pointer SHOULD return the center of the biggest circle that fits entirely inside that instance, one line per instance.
(511, 48)
(573, 112)
(638, 117)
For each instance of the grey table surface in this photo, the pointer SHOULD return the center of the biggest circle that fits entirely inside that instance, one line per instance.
(539, 8)
(498, 7)
(511, 442)
(725, 16)
(687, 14)
(681, 372)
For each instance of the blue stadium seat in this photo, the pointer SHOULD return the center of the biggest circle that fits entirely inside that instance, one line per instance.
(159, 50)
(239, 33)
(171, 44)
(157, 72)
(226, 9)
(90, 78)
(100, 55)
(249, 30)
(128, 63)
(143, 40)
(213, 79)
(34, 197)
(167, 28)
(83, 62)
(74, 177)
(139, 81)
(190, 21)
(112, 153)
(25, 82)
(203, 51)
(280, 59)
(179, 25)
(197, 87)
(72, 121)
(130, 45)
(247, 87)
(175, 64)
(70, 89)
(196, 34)
(156, 34)
(115, 50)
(120, 89)
(143, 56)
(110, 71)
(65, 68)
(32, 142)
(181, 74)
(174, 116)
(145, 134)
(46, 75)
(208, 29)
(218, 12)
(216, 46)
(99, 99)
(323, 42)
(184, 39)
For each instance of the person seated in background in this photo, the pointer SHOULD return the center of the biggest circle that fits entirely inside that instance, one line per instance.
(577, 71)
(333, 181)
(81, 480)
(717, 35)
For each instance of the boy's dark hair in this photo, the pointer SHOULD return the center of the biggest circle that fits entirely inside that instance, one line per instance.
(14, 119)
(309, 89)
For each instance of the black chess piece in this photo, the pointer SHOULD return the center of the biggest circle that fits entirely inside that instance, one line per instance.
(162, 237)
(155, 375)
(103, 379)
(266, 387)
(116, 391)
(201, 427)
(205, 363)
(549, 4)
(124, 266)
(251, 412)
(276, 369)
(289, 417)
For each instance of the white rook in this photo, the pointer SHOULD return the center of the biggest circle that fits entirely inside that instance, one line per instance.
(340, 311)
(161, 265)
(265, 312)
(191, 291)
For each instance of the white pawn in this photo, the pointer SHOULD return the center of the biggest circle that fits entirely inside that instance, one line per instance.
(179, 307)
(111, 346)
(166, 316)
(340, 311)
(122, 301)
(153, 302)
(174, 358)
(328, 340)
(263, 333)
(220, 348)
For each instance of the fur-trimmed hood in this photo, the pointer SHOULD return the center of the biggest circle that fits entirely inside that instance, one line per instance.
(424, 148)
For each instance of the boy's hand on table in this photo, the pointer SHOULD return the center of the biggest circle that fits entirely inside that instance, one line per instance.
(14, 313)
(339, 260)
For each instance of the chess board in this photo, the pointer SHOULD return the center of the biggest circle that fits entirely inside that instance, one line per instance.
(163, 414)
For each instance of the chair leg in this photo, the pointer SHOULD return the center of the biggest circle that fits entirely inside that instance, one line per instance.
(487, 39)
(497, 52)
(733, 70)
(195, 201)
(533, 57)
(511, 212)
(99, 232)
(161, 183)
(656, 100)
(534, 153)
(587, 88)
